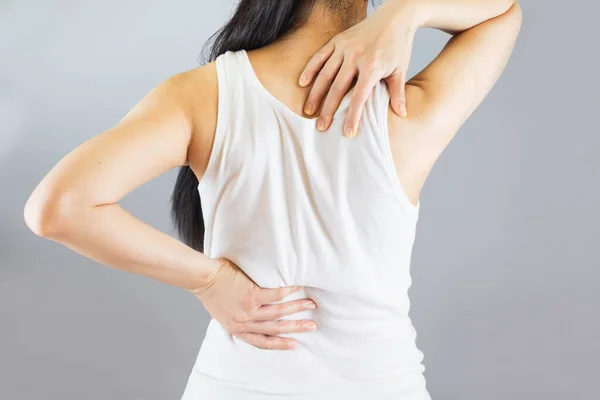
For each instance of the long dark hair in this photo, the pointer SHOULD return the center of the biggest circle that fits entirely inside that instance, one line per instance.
(254, 24)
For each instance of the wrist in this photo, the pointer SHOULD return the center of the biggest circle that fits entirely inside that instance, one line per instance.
(205, 272)
(408, 14)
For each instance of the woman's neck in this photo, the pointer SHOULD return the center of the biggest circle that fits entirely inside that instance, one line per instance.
(297, 48)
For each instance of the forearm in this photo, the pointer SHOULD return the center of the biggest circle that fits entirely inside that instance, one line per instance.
(452, 16)
(112, 236)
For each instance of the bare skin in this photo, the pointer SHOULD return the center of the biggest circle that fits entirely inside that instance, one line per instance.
(438, 100)
(379, 48)
(76, 203)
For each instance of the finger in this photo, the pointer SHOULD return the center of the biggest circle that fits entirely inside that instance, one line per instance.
(315, 64)
(276, 311)
(338, 90)
(272, 295)
(323, 83)
(362, 90)
(277, 327)
(268, 342)
(396, 85)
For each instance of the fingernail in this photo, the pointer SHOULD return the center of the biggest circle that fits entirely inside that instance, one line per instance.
(308, 109)
(310, 327)
(291, 345)
(309, 305)
(320, 124)
(349, 132)
(401, 109)
(303, 80)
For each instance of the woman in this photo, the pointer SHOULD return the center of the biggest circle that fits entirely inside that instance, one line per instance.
(307, 236)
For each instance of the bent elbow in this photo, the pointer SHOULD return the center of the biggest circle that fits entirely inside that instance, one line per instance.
(516, 14)
(39, 216)
(47, 215)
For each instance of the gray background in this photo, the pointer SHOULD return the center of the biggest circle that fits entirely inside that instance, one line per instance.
(505, 267)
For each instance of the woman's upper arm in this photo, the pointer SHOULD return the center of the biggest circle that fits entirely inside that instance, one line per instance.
(444, 94)
(153, 137)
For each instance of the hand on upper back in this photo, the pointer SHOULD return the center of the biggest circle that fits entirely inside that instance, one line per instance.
(374, 49)
(444, 94)
(244, 309)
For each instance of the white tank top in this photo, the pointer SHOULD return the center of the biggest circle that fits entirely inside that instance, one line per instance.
(293, 206)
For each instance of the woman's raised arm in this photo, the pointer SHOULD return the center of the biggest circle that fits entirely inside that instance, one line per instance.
(379, 48)
(446, 92)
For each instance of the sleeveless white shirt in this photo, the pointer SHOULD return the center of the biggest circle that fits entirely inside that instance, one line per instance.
(294, 206)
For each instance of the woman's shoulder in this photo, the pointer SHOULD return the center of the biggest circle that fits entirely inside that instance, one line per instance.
(197, 90)
(196, 86)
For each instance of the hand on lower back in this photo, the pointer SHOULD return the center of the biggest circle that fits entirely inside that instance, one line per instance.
(245, 309)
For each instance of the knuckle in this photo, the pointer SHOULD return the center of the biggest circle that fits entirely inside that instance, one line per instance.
(336, 89)
(373, 64)
(297, 326)
(361, 100)
(282, 310)
(237, 327)
(252, 341)
(249, 303)
(315, 102)
(355, 52)
(340, 42)
(258, 344)
(288, 326)
(328, 73)
(278, 329)
(322, 55)
(267, 344)
(243, 316)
